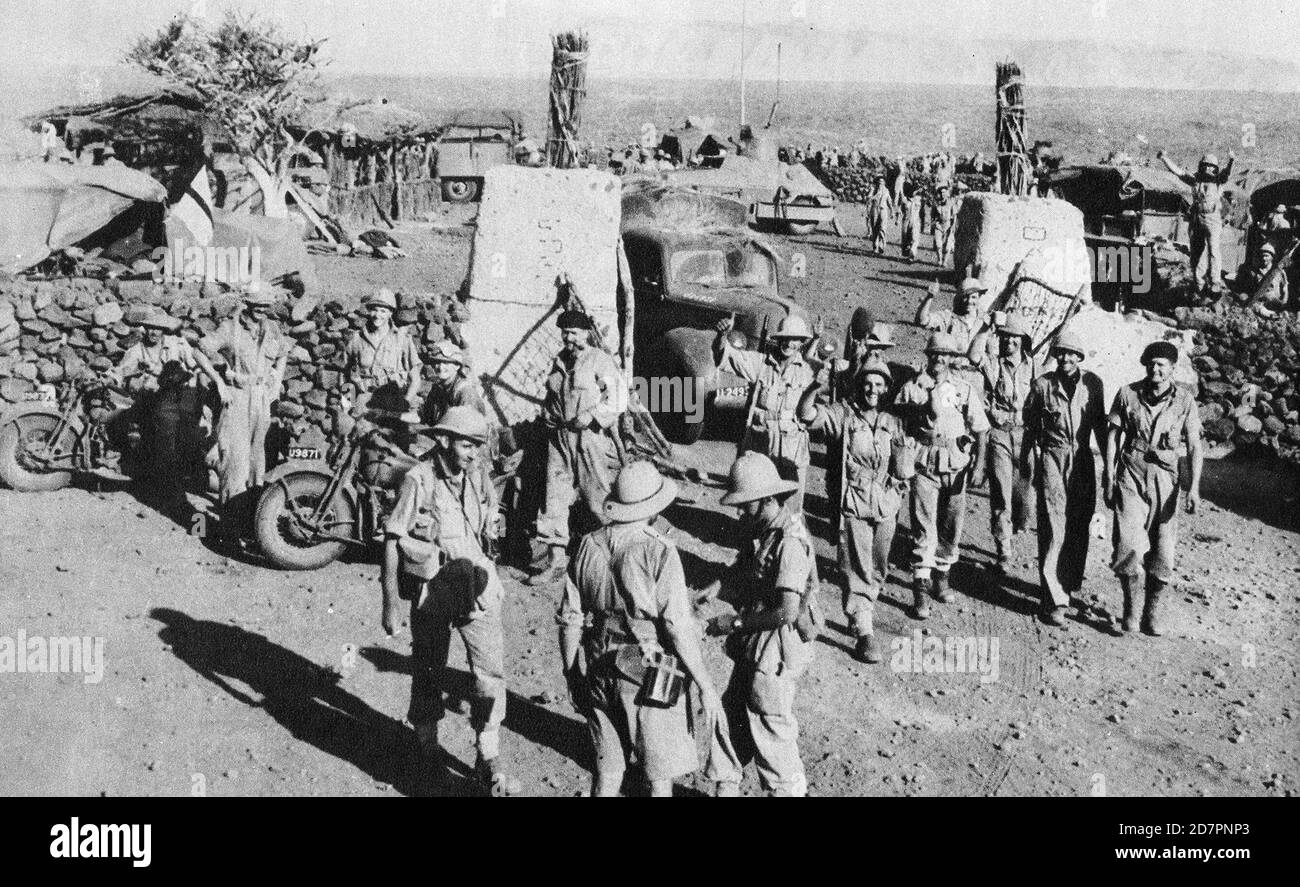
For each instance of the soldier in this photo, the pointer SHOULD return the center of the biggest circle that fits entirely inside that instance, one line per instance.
(1207, 213)
(948, 422)
(585, 395)
(1148, 422)
(868, 447)
(381, 352)
(771, 638)
(625, 604)
(945, 224)
(255, 352)
(1276, 297)
(880, 210)
(160, 371)
(911, 212)
(1063, 413)
(1007, 380)
(435, 557)
(776, 382)
(451, 385)
(962, 322)
(865, 340)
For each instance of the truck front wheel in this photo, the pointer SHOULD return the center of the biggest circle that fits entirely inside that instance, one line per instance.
(459, 190)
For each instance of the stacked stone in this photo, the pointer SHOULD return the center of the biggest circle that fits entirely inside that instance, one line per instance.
(852, 184)
(51, 332)
(1250, 397)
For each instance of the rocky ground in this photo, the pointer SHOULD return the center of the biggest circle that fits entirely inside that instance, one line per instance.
(227, 678)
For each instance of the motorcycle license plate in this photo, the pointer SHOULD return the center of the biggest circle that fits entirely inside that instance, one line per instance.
(39, 396)
(307, 453)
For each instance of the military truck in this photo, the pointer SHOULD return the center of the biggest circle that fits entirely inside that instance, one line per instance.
(472, 143)
(689, 271)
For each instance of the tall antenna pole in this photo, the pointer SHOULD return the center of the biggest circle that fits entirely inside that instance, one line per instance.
(742, 62)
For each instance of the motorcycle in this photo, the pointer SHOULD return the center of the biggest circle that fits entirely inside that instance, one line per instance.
(49, 438)
(313, 508)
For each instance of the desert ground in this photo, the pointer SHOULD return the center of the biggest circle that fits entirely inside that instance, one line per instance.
(225, 677)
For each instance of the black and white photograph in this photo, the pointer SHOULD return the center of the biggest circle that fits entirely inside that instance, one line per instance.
(716, 398)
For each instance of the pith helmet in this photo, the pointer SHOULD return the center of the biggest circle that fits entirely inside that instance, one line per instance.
(258, 296)
(753, 477)
(383, 297)
(880, 335)
(447, 351)
(1015, 326)
(875, 367)
(1069, 340)
(792, 326)
(1267, 247)
(463, 422)
(1210, 160)
(973, 285)
(942, 343)
(639, 492)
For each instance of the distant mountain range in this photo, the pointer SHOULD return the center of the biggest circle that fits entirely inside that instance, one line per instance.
(712, 50)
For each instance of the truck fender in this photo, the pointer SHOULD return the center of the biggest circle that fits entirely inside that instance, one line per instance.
(688, 351)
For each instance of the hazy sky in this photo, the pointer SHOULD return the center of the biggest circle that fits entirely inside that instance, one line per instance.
(439, 36)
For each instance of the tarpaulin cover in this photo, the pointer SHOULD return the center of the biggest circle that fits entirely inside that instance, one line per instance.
(1245, 184)
(1109, 190)
(275, 246)
(750, 180)
(649, 202)
(50, 206)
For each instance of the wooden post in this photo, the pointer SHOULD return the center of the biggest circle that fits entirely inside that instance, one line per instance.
(568, 88)
(1015, 172)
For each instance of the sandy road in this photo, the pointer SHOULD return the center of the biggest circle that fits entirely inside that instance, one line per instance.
(224, 677)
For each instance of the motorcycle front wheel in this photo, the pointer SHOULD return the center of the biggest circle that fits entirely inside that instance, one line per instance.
(18, 470)
(285, 543)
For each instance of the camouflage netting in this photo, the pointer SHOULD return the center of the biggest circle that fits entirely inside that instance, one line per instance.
(53, 331)
(1250, 397)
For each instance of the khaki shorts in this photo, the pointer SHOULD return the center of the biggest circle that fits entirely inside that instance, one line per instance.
(656, 739)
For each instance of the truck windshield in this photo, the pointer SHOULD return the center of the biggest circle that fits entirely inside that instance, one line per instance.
(715, 267)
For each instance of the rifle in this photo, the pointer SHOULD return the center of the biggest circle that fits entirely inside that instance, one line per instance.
(1278, 269)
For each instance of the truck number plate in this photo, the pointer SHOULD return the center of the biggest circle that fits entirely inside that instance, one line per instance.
(733, 392)
(40, 396)
(304, 453)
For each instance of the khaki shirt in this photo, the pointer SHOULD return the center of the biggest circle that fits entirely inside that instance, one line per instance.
(461, 392)
(250, 355)
(388, 355)
(626, 572)
(1154, 428)
(945, 414)
(782, 557)
(960, 327)
(455, 512)
(591, 382)
(773, 427)
(871, 450)
(141, 359)
(1006, 388)
(1060, 421)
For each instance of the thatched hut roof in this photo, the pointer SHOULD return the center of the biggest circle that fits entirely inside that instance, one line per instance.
(166, 115)
(373, 120)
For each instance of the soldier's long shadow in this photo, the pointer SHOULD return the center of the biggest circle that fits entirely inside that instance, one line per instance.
(532, 722)
(702, 524)
(300, 695)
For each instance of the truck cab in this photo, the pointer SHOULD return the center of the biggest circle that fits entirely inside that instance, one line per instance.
(685, 281)
(469, 145)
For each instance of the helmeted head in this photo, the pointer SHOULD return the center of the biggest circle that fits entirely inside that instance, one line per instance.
(158, 323)
(971, 290)
(257, 302)
(447, 360)
(460, 433)
(575, 329)
(791, 335)
(940, 351)
(1265, 256)
(756, 488)
(1209, 165)
(380, 307)
(1014, 337)
(1069, 351)
(639, 493)
(872, 383)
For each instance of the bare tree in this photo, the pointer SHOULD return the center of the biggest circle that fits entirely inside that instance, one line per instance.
(254, 81)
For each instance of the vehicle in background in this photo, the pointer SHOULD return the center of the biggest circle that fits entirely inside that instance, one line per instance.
(692, 263)
(472, 143)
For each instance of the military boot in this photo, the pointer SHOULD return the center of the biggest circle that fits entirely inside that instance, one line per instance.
(866, 649)
(942, 592)
(1129, 623)
(921, 597)
(1154, 589)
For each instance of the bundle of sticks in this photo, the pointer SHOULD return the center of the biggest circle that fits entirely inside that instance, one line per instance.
(568, 88)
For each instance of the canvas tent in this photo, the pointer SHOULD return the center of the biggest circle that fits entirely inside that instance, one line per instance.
(1125, 201)
(50, 206)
